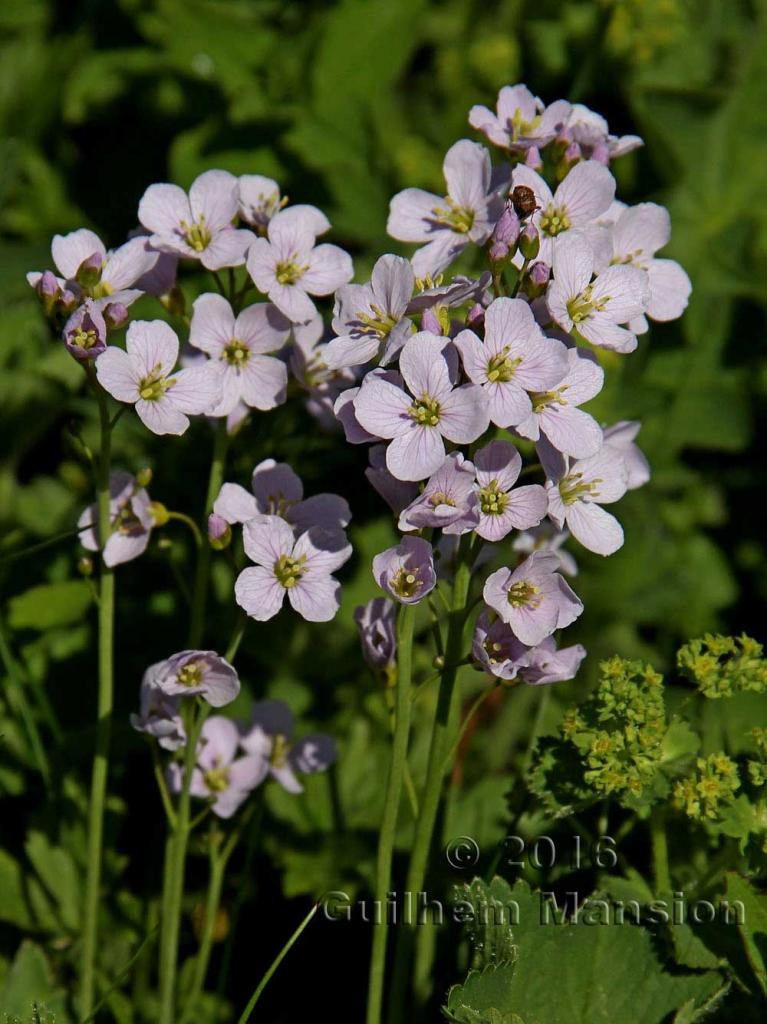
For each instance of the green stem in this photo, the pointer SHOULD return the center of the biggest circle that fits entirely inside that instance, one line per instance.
(202, 575)
(477, 704)
(33, 549)
(242, 893)
(659, 842)
(173, 881)
(245, 1016)
(104, 719)
(194, 529)
(217, 860)
(236, 640)
(405, 625)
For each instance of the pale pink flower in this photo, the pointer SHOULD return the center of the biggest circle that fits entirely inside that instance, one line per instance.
(533, 598)
(502, 507)
(521, 120)
(578, 490)
(406, 572)
(131, 519)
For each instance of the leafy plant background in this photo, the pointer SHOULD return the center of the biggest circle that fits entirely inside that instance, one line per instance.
(344, 104)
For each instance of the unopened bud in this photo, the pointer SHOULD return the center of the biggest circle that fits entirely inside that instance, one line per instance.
(144, 477)
(572, 154)
(159, 513)
(507, 228)
(115, 314)
(529, 242)
(533, 159)
(523, 198)
(476, 315)
(539, 274)
(430, 322)
(498, 252)
(219, 532)
(85, 566)
(174, 301)
(89, 272)
(564, 137)
(49, 291)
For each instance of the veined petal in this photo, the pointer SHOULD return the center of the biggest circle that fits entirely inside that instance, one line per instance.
(259, 593)
(214, 198)
(212, 326)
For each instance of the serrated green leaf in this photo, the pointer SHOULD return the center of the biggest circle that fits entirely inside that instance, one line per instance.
(753, 926)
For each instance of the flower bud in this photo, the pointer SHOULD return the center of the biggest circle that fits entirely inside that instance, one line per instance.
(49, 291)
(498, 252)
(219, 532)
(144, 477)
(68, 300)
(529, 242)
(159, 513)
(572, 154)
(430, 322)
(507, 228)
(476, 315)
(89, 272)
(438, 661)
(537, 279)
(174, 301)
(564, 137)
(85, 566)
(533, 159)
(115, 314)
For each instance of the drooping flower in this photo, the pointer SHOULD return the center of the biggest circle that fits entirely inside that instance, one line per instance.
(497, 650)
(635, 236)
(448, 501)
(197, 226)
(590, 131)
(198, 673)
(620, 436)
(299, 568)
(547, 664)
(85, 332)
(289, 266)
(131, 520)
(406, 571)
(502, 507)
(516, 358)
(593, 310)
(259, 200)
(220, 776)
(268, 737)
(238, 347)
(555, 413)
(447, 224)
(521, 119)
(576, 493)
(159, 714)
(369, 319)
(533, 598)
(143, 376)
(376, 624)
(585, 193)
(417, 421)
(278, 491)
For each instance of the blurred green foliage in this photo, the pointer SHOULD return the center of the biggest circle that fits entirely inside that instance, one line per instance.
(345, 103)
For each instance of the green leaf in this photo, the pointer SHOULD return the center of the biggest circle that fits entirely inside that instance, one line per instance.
(753, 926)
(58, 874)
(29, 986)
(50, 604)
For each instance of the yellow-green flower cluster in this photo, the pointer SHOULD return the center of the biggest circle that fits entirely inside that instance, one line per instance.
(757, 769)
(706, 793)
(721, 666)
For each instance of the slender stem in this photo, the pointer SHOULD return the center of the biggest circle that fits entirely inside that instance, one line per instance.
(104, 719)
(659, 842)
(477, 704)
(194, 529)
(236, 640)
(123, 973)
(405, 625)
(174, 879)
(159, 775)
(33, 549)
(245, 1016)
(202, 575)
(540, 715)
(217, 860)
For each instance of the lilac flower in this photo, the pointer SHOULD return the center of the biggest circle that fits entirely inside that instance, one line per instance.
(585, 193)
(299, 568)
(495, 647)
(546, 664)
(521, 121)
(237, 347)
(448, 501)
(515, 358)
(259, 200)
(578, 490)
(268, 738)
(376, 624)
(456, 292)
(448, 224)
(288, 266)
(620, 437)
(85, 332)
(277, 491)
(637, 234)
(590, 309)
(131, 520)
(221, 776)
(545, 539)
(143, 376)
(219, 532)
(555, 413)
(502, 509)
(198, 673)
(197, 226)
(396, 493)
(417, 421)
(57, 297)
(369, 319)
(533, 598)
(406, 572)
(159, 715)
(590, 131)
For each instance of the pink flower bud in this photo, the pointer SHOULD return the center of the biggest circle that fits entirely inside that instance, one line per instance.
(476, 316)
(533, 159)
(115, 314)
(529, 242)
(219, 532)
(49, 291)
(507, 228)
(499, 251)
(89, 272)
(539, 274)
